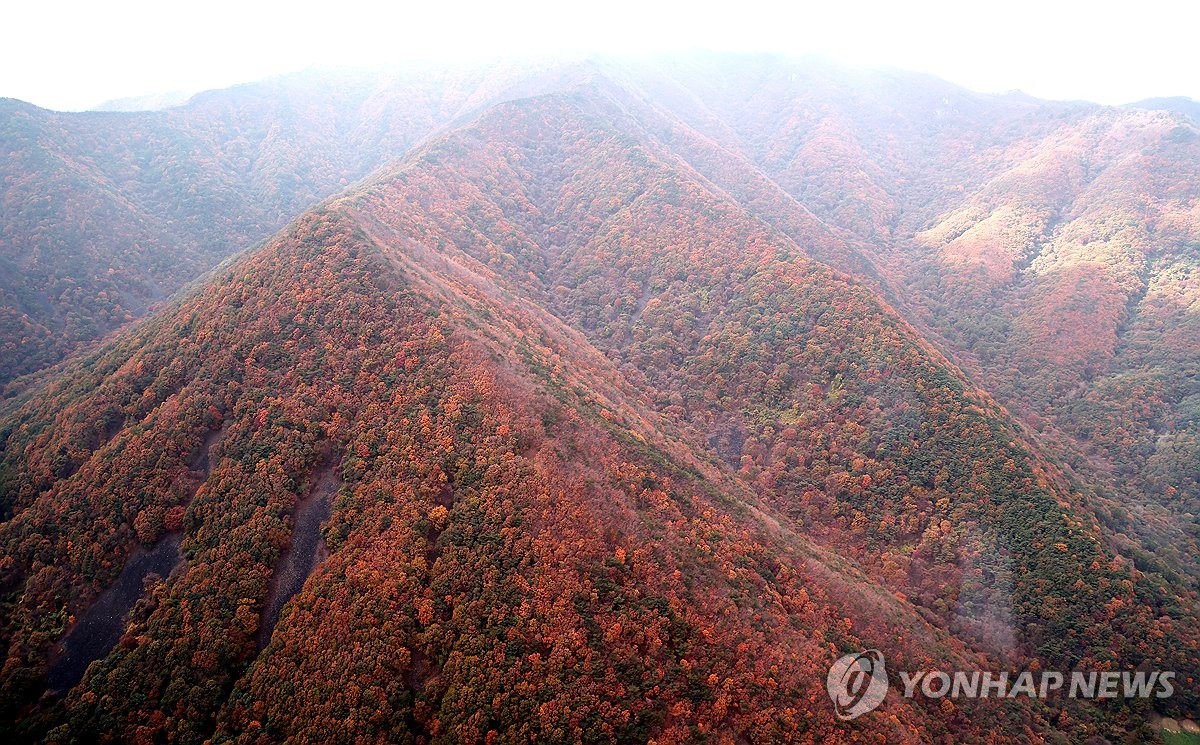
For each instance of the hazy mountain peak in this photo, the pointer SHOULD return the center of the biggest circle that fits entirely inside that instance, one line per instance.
(607, 400)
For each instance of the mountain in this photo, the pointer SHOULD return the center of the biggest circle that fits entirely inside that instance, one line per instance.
(1178, 104)
(152, 102)
(619, 407)
(104, 215)
(1060, 271)
(1047, 248)
(511, 528)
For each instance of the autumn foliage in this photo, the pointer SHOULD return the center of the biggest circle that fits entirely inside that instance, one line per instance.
(626, 444)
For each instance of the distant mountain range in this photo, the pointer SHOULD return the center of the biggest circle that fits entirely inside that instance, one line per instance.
(1177, 104)
(635, 393)
(152, 102)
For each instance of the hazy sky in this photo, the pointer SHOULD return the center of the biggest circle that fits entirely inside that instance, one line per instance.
(72, 55)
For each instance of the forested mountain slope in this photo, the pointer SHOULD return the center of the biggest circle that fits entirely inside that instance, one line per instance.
(1049, 248)
(624, 402)
(516, 546)
(820, 396)
(613, 459)
(104, 214)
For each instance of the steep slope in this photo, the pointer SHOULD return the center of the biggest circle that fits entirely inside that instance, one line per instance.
(823, 398)
(859, 432)
(1048, 248)
(863, 149)
(105, 214)
(937, 196)
(612, 454)
(1072, 280)
(517, 550)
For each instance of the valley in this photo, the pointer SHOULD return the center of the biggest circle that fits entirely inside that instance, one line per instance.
(607, 401)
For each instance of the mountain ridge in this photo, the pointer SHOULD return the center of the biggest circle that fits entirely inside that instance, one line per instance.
(574, 321)
(146, 636)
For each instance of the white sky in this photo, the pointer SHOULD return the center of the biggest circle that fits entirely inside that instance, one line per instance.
(72, 55)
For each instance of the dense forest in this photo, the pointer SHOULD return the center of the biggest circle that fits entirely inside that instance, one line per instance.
(104, 215)
(502, 533)
(630, 397)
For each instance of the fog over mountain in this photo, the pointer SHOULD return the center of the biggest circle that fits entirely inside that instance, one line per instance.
(602, 400)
